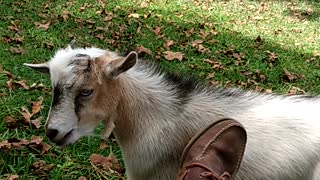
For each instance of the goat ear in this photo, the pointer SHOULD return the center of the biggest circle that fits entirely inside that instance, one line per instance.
(44, 68)
(121, 65)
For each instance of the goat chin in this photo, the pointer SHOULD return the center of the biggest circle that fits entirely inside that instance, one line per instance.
(154, 114)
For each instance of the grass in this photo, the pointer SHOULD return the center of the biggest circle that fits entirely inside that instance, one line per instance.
(250, 43)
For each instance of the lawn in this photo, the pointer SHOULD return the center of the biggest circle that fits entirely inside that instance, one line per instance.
(270, 47)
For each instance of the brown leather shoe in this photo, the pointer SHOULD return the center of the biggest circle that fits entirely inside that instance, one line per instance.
(215, 153)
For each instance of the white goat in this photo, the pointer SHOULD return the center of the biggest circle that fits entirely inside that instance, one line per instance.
(153, 115)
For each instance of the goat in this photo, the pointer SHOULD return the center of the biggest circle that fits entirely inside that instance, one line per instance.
(153, 115)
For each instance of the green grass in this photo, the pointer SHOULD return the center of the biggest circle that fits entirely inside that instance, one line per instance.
(289, 30)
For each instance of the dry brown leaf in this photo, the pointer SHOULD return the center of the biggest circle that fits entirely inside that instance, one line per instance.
(23, 83)
(26, 114)
(45, 148)
(44, 26)
(18, 50)
(213, 31)
(103, 145)
(192, 66)
(85, 6)
(48, 45)
(13, 28)
(295, 90)
(5, 144)
(142, 50)
(134, 15)
(82, 178)
(203, 33)
(156, 30)
(37, 106)
(272, 56)
(107, 18)
(289, 75)
(35, 142)
(19, 39)
(12, 123)
(41, 167)
(214, 64)
(210, 75)
(168, 44)
(168, 55)
(9, 74)
(36, 139)
(36, 122)
(65, 15)
(196, 42)
(12, 177)
(269, 91)
(108, 163)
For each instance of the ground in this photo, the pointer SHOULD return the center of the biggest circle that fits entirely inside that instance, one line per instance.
(265, 46)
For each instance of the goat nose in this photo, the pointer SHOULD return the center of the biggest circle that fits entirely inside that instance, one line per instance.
(51, 133)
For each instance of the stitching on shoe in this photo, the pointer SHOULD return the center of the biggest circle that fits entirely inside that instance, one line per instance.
(218, 137)
(215, 138)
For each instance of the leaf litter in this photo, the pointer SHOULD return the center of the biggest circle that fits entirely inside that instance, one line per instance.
(35, 142)
(109, 163)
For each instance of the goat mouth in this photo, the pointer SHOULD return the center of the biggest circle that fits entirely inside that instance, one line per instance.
(64, 140)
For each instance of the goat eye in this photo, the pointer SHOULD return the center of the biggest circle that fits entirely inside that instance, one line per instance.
(86, 92)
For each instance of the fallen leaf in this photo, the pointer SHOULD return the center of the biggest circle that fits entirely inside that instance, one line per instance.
(289, 75)
(41, 167)
(13, 28)
(107, 18)
(48, 45)
(84, 7)
(26, 114)
(210, 75)
(36, 139)
(23, 83)
(18, 39)
(7, 73)
(295, 90)
(196, 42)
(134, 15)
(142, 51)
(214, 64)
(82, 178)
(36, 122)
(213, 31)
(12, 123)
(18, 50)
(37, 106)
(192, 66)
(103, 145)
(65, 15)
(269, 91)
(41, 26)
(109, 163)
(5, 145)
(202, 49)
(12, 177)
(167, 44)
(45, 148)
(203, 33)
(173, 55)
(156, 30)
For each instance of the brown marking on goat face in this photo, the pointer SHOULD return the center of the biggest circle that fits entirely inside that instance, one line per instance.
(104, 99)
